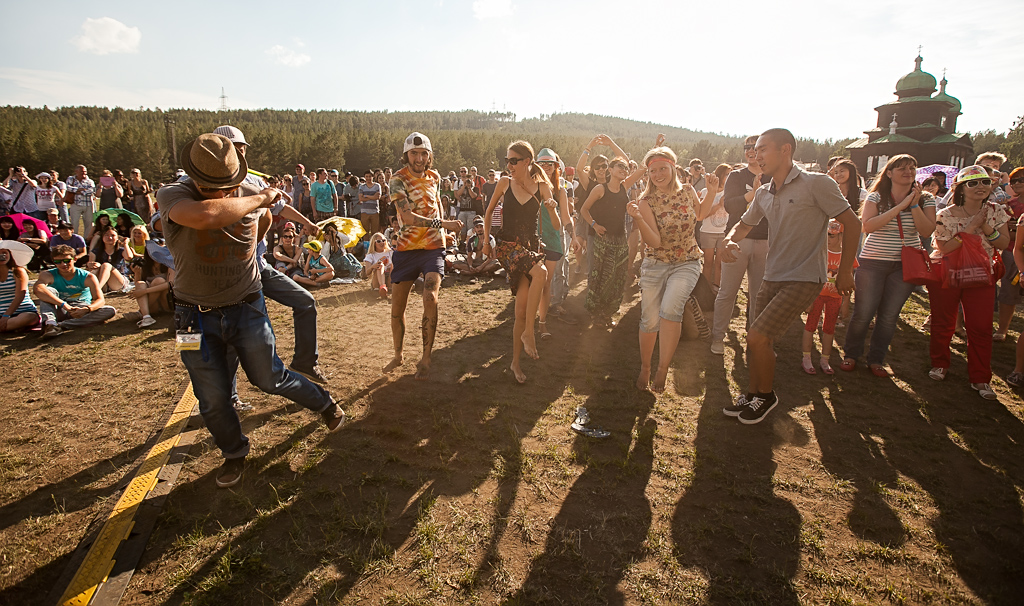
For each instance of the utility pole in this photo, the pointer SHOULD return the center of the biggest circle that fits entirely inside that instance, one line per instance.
(172, 143)
(223, 101)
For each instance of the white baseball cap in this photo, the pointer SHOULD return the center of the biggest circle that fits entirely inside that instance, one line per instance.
(233, 134)
(417, 141)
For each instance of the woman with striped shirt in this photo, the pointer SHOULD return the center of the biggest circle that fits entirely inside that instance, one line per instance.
(18, 310)
(895, 198)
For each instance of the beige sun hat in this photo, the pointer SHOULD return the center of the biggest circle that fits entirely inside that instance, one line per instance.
(212, 162)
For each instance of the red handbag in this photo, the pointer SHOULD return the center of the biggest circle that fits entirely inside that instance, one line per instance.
(918, 267)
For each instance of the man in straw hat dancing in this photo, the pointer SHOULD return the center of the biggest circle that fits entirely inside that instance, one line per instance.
(212, 224)
(421, 245)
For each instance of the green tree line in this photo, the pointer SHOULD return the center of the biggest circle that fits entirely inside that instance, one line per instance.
(102, 138)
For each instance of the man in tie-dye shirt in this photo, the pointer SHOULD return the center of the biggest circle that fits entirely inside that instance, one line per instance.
(421, 245)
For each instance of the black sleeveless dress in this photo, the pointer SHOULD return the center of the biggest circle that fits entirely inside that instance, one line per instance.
(519, 249)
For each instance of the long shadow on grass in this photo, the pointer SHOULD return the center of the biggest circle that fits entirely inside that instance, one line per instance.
(729, 523)
(964, 451)
(343, 511)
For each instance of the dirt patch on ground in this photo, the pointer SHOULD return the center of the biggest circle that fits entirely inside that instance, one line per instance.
(472, 489)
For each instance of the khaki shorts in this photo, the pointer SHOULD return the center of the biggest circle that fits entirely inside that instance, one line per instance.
(779, 303)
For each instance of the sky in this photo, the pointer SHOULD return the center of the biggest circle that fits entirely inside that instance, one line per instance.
(735, 67)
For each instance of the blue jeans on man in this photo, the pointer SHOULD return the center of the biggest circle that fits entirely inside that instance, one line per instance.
(279, 287)
(245, 328)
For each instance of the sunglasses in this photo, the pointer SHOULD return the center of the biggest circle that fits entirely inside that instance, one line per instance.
(545, 162)
(748, 147)
(287, 237)
(601, 167)
(514, 161)
(976, 182)
(622, 166)
(63, 261)
(1017, 181)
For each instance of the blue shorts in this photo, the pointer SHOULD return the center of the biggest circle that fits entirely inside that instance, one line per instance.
(409, 264)
(552, 255)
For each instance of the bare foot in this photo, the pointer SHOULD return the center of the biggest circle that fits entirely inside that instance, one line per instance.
(394, 363)
(530, 345)
(422, 371)
(659, 380)
(643, 380)
(520, 377)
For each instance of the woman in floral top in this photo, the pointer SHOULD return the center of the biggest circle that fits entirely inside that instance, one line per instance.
(968, 213)
(667, 215)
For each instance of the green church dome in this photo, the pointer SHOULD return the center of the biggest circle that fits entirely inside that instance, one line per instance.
(916, 80)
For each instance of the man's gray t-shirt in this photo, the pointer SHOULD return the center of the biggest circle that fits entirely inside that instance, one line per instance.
(213, 267)
(798, 213)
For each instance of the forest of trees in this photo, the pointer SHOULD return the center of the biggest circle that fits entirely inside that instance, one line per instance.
(101, 138)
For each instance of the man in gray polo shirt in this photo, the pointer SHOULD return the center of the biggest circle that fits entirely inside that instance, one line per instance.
(797, 206)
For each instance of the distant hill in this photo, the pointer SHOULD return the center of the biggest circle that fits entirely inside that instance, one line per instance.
(102, 138)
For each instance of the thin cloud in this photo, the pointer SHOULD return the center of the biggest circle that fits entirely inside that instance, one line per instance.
(287, 57)
(492, 9)
(35, 88)
(105, 36)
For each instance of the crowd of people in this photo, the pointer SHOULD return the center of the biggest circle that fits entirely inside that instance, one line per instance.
(220, 238)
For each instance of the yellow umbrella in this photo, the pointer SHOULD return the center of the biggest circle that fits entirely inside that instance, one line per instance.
(346, 225)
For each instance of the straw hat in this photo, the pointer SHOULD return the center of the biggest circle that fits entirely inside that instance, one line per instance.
(212, 162)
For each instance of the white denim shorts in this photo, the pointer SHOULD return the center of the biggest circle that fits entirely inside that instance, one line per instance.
(664, 289)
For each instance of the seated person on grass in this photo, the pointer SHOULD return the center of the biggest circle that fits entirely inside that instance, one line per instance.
(317, 270)
(66, 236)
(109, 261)
(377, 264)
(288, 252)
(152, 287)
(96, 231)
(19, 313)
(38, 242)
(476, 263)
(69, 296)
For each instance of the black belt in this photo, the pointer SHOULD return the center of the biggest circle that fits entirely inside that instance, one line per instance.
(250, 298)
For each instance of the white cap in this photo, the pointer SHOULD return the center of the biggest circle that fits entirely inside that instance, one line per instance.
(233, 134)
(417, 141)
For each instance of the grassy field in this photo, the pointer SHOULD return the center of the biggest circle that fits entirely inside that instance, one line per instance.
(471, 489)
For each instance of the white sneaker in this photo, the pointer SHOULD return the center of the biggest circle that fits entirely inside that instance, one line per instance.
(718, 348)
(985, 391)
(146, 321)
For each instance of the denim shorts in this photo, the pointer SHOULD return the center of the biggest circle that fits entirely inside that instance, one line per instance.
(409, 264)
(664, 290)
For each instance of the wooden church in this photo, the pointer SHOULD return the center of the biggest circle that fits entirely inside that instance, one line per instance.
(917, 123)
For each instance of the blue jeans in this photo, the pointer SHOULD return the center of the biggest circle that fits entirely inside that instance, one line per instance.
(279, 287)
(246, 329)
(879, 290)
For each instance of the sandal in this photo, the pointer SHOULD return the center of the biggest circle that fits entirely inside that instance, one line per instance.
(848, 364)
(825, 366)
(808, 366)
(544, 334)
(938, 373)
(999, 337)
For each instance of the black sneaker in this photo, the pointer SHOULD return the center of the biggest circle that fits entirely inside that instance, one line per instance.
(313, 374)
(230, 473)
(334, 417)
(757, 409)
(734, 409)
